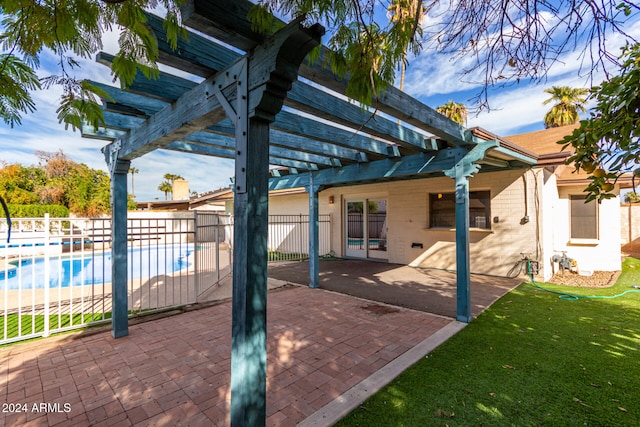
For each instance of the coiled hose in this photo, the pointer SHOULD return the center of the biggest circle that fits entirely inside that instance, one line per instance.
(572, 297)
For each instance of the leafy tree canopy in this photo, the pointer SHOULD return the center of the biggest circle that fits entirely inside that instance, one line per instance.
(632, 197)
(508, 41)
(607, 144)
(57, 180)
(73, 29)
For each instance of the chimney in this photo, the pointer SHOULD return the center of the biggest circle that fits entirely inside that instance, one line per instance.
(180, 189)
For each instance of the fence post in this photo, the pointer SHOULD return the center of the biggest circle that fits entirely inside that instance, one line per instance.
(196, 255)
(216, 234)
(314, 241)
(47, 274)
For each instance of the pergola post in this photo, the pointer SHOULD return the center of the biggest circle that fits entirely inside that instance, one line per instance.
(260, 81)
(463, 267)
(314, 236)
(249, 304)
(464, 168)
(120, 314)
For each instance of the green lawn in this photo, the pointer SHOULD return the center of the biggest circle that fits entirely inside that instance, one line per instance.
(531, 359)
(28, 324)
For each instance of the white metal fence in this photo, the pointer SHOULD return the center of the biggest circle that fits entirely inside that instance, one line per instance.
(55, 273)
(289, 237)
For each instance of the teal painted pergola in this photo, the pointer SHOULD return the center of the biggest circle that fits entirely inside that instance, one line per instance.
(262, 104)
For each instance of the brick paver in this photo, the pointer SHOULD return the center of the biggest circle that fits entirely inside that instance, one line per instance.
(176, 370)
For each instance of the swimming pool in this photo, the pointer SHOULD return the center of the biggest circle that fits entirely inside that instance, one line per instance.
(144, 262)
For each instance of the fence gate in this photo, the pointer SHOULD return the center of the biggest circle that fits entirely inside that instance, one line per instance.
(54, 276)
(213, 260)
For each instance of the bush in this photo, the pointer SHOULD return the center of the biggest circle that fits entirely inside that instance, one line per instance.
(37, 211)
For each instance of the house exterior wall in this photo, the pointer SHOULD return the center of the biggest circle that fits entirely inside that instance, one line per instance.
(292, 204)
(549, 191)
(602, 254)
(493, 251)
(529, 214)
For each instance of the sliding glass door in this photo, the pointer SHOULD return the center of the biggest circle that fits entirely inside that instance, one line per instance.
(366, 228)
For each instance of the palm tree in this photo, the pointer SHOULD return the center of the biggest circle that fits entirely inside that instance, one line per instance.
(171, 177)
(567, 102)
(454, 111)
(133, 171)
(398, 11)
(166, 188)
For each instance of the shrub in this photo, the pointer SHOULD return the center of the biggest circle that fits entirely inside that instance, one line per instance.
(37, 211)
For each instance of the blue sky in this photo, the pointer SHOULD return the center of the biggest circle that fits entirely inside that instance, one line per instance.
(432, 79)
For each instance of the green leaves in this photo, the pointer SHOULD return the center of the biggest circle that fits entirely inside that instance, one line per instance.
(74, 27)
(79, 102)
(454, 111)
(568, 102)
(16, 80)
(611, 135)
(365, 48)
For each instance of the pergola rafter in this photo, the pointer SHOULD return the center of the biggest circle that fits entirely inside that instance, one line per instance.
(230, 106)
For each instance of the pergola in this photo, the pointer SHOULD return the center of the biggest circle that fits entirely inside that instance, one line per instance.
(261, 103)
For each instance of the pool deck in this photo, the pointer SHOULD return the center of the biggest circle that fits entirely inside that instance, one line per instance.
(327, 352)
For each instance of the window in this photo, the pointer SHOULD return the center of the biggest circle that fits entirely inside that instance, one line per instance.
(442, 210)
(584, 218)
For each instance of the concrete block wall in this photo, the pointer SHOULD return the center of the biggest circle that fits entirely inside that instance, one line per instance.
(516, 196)
(630, 228)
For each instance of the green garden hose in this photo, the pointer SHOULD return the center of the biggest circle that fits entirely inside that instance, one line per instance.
(572, 297)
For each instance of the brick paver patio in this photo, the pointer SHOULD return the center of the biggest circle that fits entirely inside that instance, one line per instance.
(176, 370)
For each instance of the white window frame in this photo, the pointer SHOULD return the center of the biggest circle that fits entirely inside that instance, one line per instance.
(583, 239)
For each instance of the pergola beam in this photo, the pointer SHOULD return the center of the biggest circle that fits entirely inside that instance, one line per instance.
(197, 14)
(389, 169)
(193, 111)
(208, 139)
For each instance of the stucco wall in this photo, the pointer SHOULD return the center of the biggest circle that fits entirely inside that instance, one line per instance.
(292, 204)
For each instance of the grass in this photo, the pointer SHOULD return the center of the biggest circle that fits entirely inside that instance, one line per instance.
(286, 256)
(531, 359)
(20, 325)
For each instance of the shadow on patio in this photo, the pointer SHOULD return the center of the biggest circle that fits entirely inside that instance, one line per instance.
(175, 370)
(431, 291)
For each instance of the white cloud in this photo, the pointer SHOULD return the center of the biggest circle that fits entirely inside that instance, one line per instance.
(520, 107)
(432, 73)
(203, 173)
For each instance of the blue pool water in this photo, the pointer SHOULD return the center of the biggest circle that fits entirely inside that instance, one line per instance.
(144, 262)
